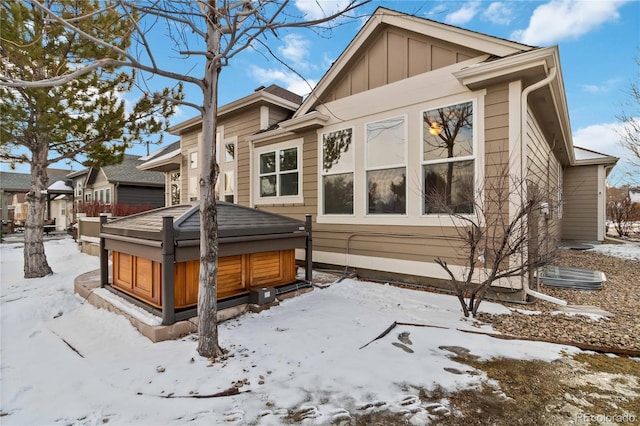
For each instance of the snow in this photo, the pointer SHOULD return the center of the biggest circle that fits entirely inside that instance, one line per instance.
(624, 251)
(65, 361)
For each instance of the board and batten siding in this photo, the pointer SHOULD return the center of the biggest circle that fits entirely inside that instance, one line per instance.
(580, 203)
(394, 55)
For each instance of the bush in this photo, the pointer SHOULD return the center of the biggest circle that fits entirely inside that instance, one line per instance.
(95, 208)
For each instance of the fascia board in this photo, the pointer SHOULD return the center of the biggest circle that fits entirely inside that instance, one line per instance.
(289, 127)
(254, 98)
(165, 159)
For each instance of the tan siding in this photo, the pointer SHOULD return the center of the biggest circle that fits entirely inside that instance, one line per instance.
(580, 212)
(394, 55)
(542, 175)
(187, 142)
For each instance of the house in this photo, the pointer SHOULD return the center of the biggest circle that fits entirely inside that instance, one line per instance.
(634, 195)
(362, 150)
(122, 184)
(14, 188)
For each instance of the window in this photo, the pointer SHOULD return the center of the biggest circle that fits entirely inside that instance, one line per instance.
(337, 172)
(102, 195)
(174, 185)
(193, 174)
(193, 159)
(386, 173)
(229, 152)
(229, 182)
(448, 159)
(78, 188)
(107, 195)
(278, 173)
(95, 196)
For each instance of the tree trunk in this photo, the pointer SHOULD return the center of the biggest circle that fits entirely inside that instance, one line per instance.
(207, 287)
(35, 260)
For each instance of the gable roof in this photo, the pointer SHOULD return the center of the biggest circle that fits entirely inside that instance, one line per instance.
(271, 95)
(385, 18)
(21, 182)
(164, 159)
(128, 173)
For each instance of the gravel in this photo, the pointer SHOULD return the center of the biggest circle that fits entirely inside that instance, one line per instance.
(620, 296)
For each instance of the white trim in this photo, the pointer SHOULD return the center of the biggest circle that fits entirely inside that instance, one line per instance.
(255, 163)
(516, 160)
(264, 117)
(601, 200)
(406, 267)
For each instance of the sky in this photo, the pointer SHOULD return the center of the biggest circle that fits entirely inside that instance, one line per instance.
(599, 42)
(66, 362)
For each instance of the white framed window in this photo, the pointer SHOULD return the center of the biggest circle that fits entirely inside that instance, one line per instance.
(227, 178)
(278, 176)
(449, 153)
(386, 166)
(337, 172)
(193, 173)
(107, 195)
(174, 188)
(229, 152)
(95, 195)
(78, 188)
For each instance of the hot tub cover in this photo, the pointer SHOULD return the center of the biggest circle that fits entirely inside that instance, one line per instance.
(233, 221)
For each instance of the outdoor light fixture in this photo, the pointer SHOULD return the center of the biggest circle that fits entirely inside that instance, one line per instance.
(435, 128)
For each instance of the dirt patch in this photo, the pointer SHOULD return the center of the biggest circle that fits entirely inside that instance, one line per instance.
(582, 389)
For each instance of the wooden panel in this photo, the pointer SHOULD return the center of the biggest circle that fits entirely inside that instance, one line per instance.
(231, 279)
(144, 277)
(264, 268)
(123, 270)
(441, 57)
(186, 283)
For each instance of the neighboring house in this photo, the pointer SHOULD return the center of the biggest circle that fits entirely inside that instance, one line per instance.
(120, 183)
(166, 160)
(15, 186)
(634, 195)
(363, 148)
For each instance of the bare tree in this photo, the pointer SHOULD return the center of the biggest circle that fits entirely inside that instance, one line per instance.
(215, 30)
(499, 240)
(621, 211)
(630, 133)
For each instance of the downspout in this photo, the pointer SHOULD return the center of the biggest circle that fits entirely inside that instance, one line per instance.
(524, 105)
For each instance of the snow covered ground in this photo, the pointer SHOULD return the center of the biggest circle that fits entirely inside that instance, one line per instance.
(629, 250)
(64, 361)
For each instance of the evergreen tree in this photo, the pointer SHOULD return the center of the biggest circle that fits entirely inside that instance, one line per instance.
(84, 119)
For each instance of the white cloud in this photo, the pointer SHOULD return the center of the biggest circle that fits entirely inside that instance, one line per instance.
(287, 79)
(295, 50)
(605, 87)
(605, 138)
(498, 13)
(463, 15)
(317, 9)
(566, 19)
